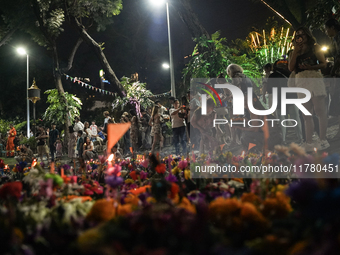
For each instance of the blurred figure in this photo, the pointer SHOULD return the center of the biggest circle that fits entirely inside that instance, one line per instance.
(10, 148)
(178, 128)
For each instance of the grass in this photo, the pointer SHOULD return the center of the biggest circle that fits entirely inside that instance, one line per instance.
(9, 161)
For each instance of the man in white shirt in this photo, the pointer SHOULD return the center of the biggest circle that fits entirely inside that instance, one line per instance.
(178, 128)
(78, 125)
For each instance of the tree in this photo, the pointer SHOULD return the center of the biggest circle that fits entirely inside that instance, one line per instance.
(212, 61)
(317, 15)
(45, 20)
(57, 111)
(137, 96)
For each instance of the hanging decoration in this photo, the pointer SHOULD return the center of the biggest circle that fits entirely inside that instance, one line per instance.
(163, 94)
(88, 86)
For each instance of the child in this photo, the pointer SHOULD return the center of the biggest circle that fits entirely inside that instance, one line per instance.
(59, 149)
(116, 152)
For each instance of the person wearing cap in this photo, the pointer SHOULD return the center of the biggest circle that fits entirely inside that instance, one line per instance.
(53, 136)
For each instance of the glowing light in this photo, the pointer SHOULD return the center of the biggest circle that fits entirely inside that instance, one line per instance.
(324, 48)
(243, 153)
(279, 14)
(166, 66)
(157, 2)
(315, 150)
(111, 157)
(269, 153)
(21, 51)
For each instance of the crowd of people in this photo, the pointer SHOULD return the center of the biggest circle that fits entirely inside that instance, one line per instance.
(191, 129)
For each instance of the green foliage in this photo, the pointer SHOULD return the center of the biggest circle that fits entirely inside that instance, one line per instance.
(32, 142)
(58, 111)
(4, 126)
(215, 58)
(136, 91)
(320, 13)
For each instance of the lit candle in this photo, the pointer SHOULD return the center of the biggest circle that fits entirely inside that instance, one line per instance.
(269, 153)
(109, 160)
(52, 168)
(315, 150)
(243, 153)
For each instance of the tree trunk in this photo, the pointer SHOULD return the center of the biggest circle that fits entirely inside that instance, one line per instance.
(109, 73)
(7, 37)
(60, 88)
(186, 13)
(190, 19)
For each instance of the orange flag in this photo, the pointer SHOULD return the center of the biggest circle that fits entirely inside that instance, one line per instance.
(251, 145)
(221, 146)
(114, 133)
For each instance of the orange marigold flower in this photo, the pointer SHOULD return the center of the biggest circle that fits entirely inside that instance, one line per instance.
(185, 204)
(103, 210)
(131, 199)
(140, 190)
(160, 168)
(251, 198)
(174, 190)
(124, 209)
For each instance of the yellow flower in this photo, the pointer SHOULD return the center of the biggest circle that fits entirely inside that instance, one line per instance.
(176, 170)
(187, 174)
(129, 181)
(173, 162)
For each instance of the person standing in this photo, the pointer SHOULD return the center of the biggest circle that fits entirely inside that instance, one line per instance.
(156, 130)
(332, 28)
(10, 148)
(134, 133)
(127, 142)
(178, 128)
(306, 60)
(78, 125)
(72, 144)
(279, 79)
(146, 129)
(53, 136)
(42, 147)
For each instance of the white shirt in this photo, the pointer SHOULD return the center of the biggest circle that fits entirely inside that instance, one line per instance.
(94, 130)
(78, 126)
(175, 120)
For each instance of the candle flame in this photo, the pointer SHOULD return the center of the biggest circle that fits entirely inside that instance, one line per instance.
(315, 149)
(110, 158)
(243, 153)
(269, 153)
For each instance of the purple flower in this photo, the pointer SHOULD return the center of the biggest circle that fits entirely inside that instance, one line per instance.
(171, 178)
(143, 175)
(66, 167)
(113, 181)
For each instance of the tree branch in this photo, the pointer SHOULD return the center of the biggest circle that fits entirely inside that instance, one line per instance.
(8, 36)
(41, 22)
(73, 53)
(110, 75)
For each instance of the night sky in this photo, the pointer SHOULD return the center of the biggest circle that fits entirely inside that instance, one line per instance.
(136, 42)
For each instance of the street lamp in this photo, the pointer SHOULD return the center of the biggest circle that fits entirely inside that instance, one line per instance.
(34, 96)
(324, 48)
(166, 66)
(172, 71)
(22, 51)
